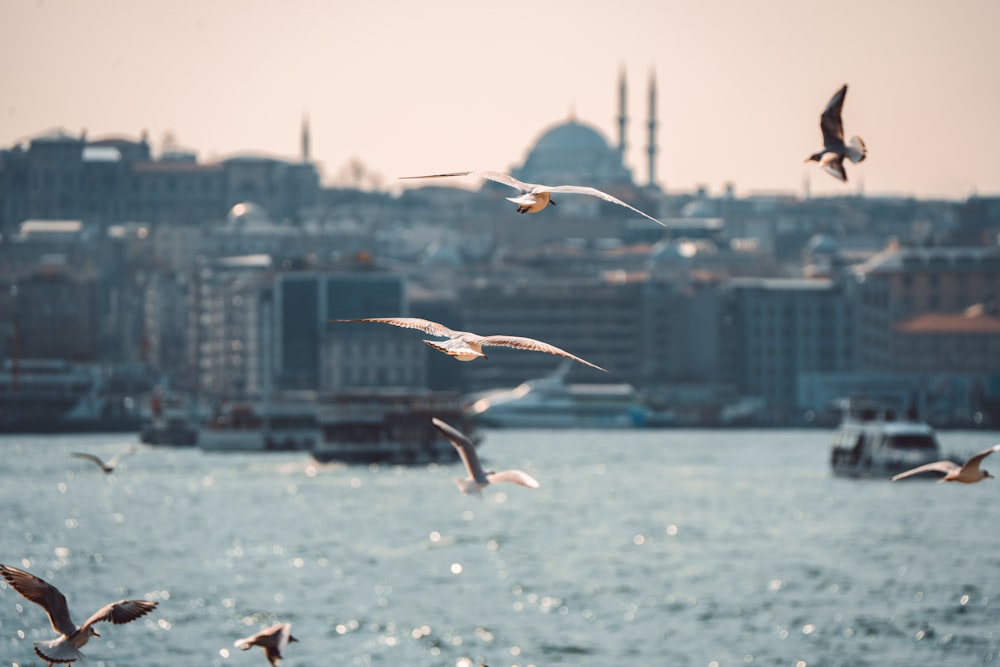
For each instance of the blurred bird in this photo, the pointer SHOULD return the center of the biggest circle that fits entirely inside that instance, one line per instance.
(273, 640)
(112, 462)
(831, 158)
(534, 198)
(71, 637)
(466, 346)
(478, 478)
(967, 473)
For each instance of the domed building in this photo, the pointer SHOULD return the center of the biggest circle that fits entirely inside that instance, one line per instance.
(573, 152)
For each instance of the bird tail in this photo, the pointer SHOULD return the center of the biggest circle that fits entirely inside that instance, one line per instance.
(468, 486)
(57, 650)
(856, 149)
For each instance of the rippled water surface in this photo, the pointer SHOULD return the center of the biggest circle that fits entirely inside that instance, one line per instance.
(642, 547)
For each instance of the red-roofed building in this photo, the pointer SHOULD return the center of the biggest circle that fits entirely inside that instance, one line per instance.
(967, 342)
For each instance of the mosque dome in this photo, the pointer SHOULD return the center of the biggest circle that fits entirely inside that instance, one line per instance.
(247, 214)
(573, 152)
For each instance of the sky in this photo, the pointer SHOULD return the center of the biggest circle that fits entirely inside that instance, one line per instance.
(412, 88)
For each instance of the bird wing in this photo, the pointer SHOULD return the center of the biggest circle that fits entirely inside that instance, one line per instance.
(113, 461)
(43, 594)
(532, 344)
(466, 449)
(432, 328)
(594, 192)
(938, 466)
(833, 164)
(973, 463)
(831, 123)
(515, 476)
(495, 176)
(123, 611)
(89, 457)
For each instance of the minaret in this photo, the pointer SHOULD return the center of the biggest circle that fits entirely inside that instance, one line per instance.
(651, 149)
(622, 118)
(305, 137)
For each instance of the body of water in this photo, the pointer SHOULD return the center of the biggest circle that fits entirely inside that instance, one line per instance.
(673, 547)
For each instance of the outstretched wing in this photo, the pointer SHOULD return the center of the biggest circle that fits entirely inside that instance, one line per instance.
(466, 449)
(594, 192)
(90, 457)
(432, 328)
(515, 476)
(973, 463)
(830, 121)
(532, 344)
(938, 466)
(495, 176)
(113, 461)
(123, 611)
(43, 594)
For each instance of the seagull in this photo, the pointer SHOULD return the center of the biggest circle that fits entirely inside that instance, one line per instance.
(535, 197)
(831, 158)
(273, 640)
(466, 346)
(478, 478)
(112, 462)
(967, 473)
(67, 647)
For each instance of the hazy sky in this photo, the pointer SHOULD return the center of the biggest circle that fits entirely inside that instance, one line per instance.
(414, 87)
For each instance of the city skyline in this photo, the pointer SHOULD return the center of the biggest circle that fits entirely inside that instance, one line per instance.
(410, 89)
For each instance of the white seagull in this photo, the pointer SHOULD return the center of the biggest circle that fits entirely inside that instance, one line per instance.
(112, 462)
(478, 478)
(533, 197)
(465, 345)
(71, 637)
(273, 640)
(967, 473)
(831, 158)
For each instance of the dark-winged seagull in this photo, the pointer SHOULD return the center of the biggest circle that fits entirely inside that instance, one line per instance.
(831, 158)
(111, 463)
(71, 637)
(465, 345)
(273, 640)
(967, 473)
(534, 197)
(478, 478)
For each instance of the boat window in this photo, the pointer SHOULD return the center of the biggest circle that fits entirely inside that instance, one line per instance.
(912, 441)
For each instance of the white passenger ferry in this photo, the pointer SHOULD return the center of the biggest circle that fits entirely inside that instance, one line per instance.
(551, 402)
(876, 441)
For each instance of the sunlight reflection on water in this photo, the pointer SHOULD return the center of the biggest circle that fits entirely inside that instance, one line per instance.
(663, 547)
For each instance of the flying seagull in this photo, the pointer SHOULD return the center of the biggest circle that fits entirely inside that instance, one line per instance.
(478, 478)
(967, 473)
(112, 462)
(273, 640)
(831, 158)
(71, 637)
(533, 197)
(466, 346)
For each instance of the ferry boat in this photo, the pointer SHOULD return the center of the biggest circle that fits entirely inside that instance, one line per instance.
(876, 441)
(171, 419)
(387, 426)
(58, 396)
(551, 402)
(267, 426)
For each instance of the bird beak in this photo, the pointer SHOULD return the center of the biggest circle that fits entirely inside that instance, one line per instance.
(96, 633)
(551, 201)
(292, 638)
